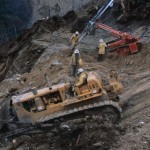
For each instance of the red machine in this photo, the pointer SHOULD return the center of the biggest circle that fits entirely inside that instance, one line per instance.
(125, 44)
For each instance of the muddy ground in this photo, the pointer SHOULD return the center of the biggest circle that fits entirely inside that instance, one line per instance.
(44, 49)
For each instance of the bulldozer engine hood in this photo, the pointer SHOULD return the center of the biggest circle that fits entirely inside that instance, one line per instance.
(40, 92)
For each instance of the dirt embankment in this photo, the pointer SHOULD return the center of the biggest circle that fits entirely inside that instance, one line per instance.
(43, 50)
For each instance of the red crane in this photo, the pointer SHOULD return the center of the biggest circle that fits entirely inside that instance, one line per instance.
(125, 43)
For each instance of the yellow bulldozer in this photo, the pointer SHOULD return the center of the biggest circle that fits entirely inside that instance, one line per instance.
(52, 102)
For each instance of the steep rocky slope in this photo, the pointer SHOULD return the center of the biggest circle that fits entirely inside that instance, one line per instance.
(16, 16)
(43, 50)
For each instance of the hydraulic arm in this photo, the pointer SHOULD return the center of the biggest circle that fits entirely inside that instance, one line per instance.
(124, 44)
(101, 11)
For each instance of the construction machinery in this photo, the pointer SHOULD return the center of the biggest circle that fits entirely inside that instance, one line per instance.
(124, 43)
(101, 11)
(39, 106)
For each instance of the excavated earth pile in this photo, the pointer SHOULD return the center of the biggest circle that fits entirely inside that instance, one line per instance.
(44, 49)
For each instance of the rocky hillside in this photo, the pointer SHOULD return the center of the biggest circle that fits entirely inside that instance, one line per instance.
(44, 49)
(16, 16)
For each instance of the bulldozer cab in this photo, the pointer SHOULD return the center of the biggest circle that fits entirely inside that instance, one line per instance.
(92, 86)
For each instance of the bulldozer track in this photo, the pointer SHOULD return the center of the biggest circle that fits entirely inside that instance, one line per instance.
(81, 108)
(38, 129)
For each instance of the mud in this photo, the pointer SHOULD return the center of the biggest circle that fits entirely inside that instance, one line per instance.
(79, 133)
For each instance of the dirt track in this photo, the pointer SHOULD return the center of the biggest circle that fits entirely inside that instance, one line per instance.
(43, 50)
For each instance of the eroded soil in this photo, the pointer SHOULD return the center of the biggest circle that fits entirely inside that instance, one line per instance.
(44, 49)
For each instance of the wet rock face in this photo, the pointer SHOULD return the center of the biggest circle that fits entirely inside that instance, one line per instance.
(16, 16)
(20, 12)
(49, 8)
(14, 13)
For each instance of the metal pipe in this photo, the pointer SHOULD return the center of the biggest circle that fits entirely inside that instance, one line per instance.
(34, 90)
(100, 12)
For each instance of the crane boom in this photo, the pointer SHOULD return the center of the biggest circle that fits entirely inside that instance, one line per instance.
(114, 32)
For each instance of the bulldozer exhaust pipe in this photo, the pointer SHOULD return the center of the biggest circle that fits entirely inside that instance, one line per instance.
(48, 82)
(34, 90)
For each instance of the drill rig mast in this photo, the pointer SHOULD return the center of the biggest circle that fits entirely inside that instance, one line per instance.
(124, 44)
